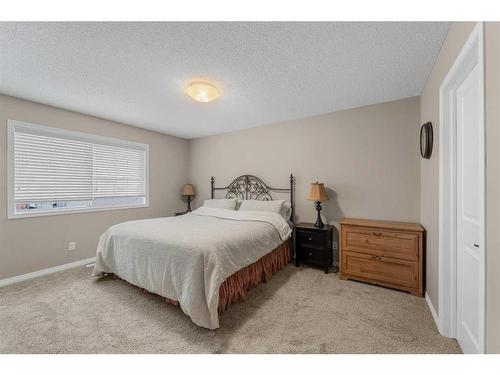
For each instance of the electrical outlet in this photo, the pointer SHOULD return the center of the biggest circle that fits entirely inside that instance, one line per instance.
(335, 245)
(71, 246)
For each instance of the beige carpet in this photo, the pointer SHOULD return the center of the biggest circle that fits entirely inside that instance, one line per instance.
(301, 310)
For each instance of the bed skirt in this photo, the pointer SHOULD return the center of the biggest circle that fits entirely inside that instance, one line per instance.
(235, 287)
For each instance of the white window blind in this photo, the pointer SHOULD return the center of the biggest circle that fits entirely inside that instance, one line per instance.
(58, 170)
(118, 172)
(48, 168)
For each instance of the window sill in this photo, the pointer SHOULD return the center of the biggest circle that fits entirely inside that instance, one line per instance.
(72, 211)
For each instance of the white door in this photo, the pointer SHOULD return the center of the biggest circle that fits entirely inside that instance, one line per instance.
(469, 213)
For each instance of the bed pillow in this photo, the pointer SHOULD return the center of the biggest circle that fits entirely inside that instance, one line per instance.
(238, 203)
(228, 204)
(286, 210)
(255, 205)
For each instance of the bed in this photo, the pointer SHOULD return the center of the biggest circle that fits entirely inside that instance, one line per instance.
(180, 258)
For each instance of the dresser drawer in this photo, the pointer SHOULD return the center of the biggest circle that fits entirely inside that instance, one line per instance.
(385, 243)
(388, 271)
(312, 255)
(315, 238)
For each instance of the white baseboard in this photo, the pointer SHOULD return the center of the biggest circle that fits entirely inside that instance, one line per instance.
(46, 271)
(433, 310)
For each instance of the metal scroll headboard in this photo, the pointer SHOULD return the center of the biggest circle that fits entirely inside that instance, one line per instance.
(250, 187)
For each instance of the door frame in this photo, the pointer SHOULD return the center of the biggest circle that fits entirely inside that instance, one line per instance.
(471, 55)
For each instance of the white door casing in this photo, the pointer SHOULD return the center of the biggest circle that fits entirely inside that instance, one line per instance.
(461, 204)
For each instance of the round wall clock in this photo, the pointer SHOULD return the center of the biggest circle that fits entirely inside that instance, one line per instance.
(426, 140)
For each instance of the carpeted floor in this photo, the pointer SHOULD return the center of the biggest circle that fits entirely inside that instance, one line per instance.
(301, 310)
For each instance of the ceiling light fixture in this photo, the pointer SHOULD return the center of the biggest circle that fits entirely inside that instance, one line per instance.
(202, 91)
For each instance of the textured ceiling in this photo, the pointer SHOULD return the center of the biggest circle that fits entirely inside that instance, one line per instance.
(135, 73)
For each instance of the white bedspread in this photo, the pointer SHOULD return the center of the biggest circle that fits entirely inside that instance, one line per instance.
(187, 258)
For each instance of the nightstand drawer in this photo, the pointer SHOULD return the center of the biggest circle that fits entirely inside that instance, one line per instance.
(315, 238)
(312, 255)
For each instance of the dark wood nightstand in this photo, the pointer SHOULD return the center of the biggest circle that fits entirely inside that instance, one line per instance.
(314, 245)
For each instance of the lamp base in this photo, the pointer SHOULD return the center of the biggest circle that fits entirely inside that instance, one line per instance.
(189, 203)
(319, 222)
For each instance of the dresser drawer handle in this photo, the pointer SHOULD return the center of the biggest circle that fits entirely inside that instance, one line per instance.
(310, 239)
(375, 257)
(378, 234)
(310, 254)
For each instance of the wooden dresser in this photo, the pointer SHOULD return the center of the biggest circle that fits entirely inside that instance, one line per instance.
(383, 253)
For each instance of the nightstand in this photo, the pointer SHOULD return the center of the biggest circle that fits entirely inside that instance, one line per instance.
(313, 245)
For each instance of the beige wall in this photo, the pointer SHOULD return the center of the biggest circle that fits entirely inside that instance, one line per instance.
(492, 46)
(429, 169)
(31, 244)
(367, 156)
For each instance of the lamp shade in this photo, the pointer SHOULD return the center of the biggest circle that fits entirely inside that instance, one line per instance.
(317, 193)
(188, 189)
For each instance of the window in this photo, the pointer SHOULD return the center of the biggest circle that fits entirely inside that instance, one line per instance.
(54, 171)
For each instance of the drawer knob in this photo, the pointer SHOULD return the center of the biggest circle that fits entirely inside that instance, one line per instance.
(310, 254)
(310, 239)
(377, 234)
